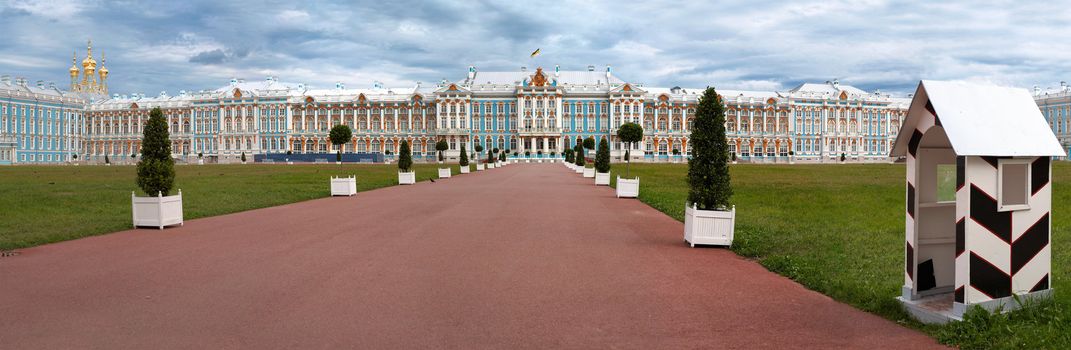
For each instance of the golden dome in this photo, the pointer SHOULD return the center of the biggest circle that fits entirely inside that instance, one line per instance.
(89, 62)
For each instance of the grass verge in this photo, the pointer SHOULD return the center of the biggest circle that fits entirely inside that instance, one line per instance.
(46, 204)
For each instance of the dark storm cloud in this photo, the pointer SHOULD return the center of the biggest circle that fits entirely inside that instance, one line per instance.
(872, 44)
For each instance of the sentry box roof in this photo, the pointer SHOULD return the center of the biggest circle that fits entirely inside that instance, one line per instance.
(981, 120)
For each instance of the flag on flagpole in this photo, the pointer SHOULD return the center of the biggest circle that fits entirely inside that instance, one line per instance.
(535, 53)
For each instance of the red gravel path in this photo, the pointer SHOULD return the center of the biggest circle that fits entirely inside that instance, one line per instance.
(527, 256)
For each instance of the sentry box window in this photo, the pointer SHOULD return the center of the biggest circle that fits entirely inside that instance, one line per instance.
(1013, 184)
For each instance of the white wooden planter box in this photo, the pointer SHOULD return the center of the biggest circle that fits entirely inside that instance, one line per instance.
(157, 211)
(589, 172)
(490, 165)
(444, 173)
(479, 166)
(602, 179)
(578, 169)
(714, 227)
(407, 178)
(343, 186)
(539, 160)
(200, 162)
(527, 160)
(464, 169)
(628, 188)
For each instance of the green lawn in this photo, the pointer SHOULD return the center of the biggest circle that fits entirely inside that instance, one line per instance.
(45, 204)
(839, 230)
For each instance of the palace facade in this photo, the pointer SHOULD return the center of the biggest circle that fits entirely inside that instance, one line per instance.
(530, 112)
(1055, 104)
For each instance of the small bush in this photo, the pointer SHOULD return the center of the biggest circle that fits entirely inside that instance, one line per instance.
(464, 161)
(629, 133)
(440, 147)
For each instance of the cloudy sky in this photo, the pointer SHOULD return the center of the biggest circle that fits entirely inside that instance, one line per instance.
(872, 44)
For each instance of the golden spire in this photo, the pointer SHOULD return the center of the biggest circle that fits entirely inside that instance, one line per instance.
(74, 65)
(74, 71)
(103, 69)
(103, 88)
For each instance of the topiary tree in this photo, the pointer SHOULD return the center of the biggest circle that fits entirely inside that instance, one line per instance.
(200, 155)
(502, 156)
(490, 156)
(708, 169)
(568, 153)
(527, 154)
(441, 146)
(843, 157)
(629, 133)
(74, 156)
(589, 144)
(553, 154)
(602, 157)
(156, 170)
(405, 157)
(580, 155)
(478, 148)
(464, 161)
(106, 160)
(340, 135)
(243, 157)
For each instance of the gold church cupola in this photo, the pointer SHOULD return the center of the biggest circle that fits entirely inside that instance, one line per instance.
(89, 79)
